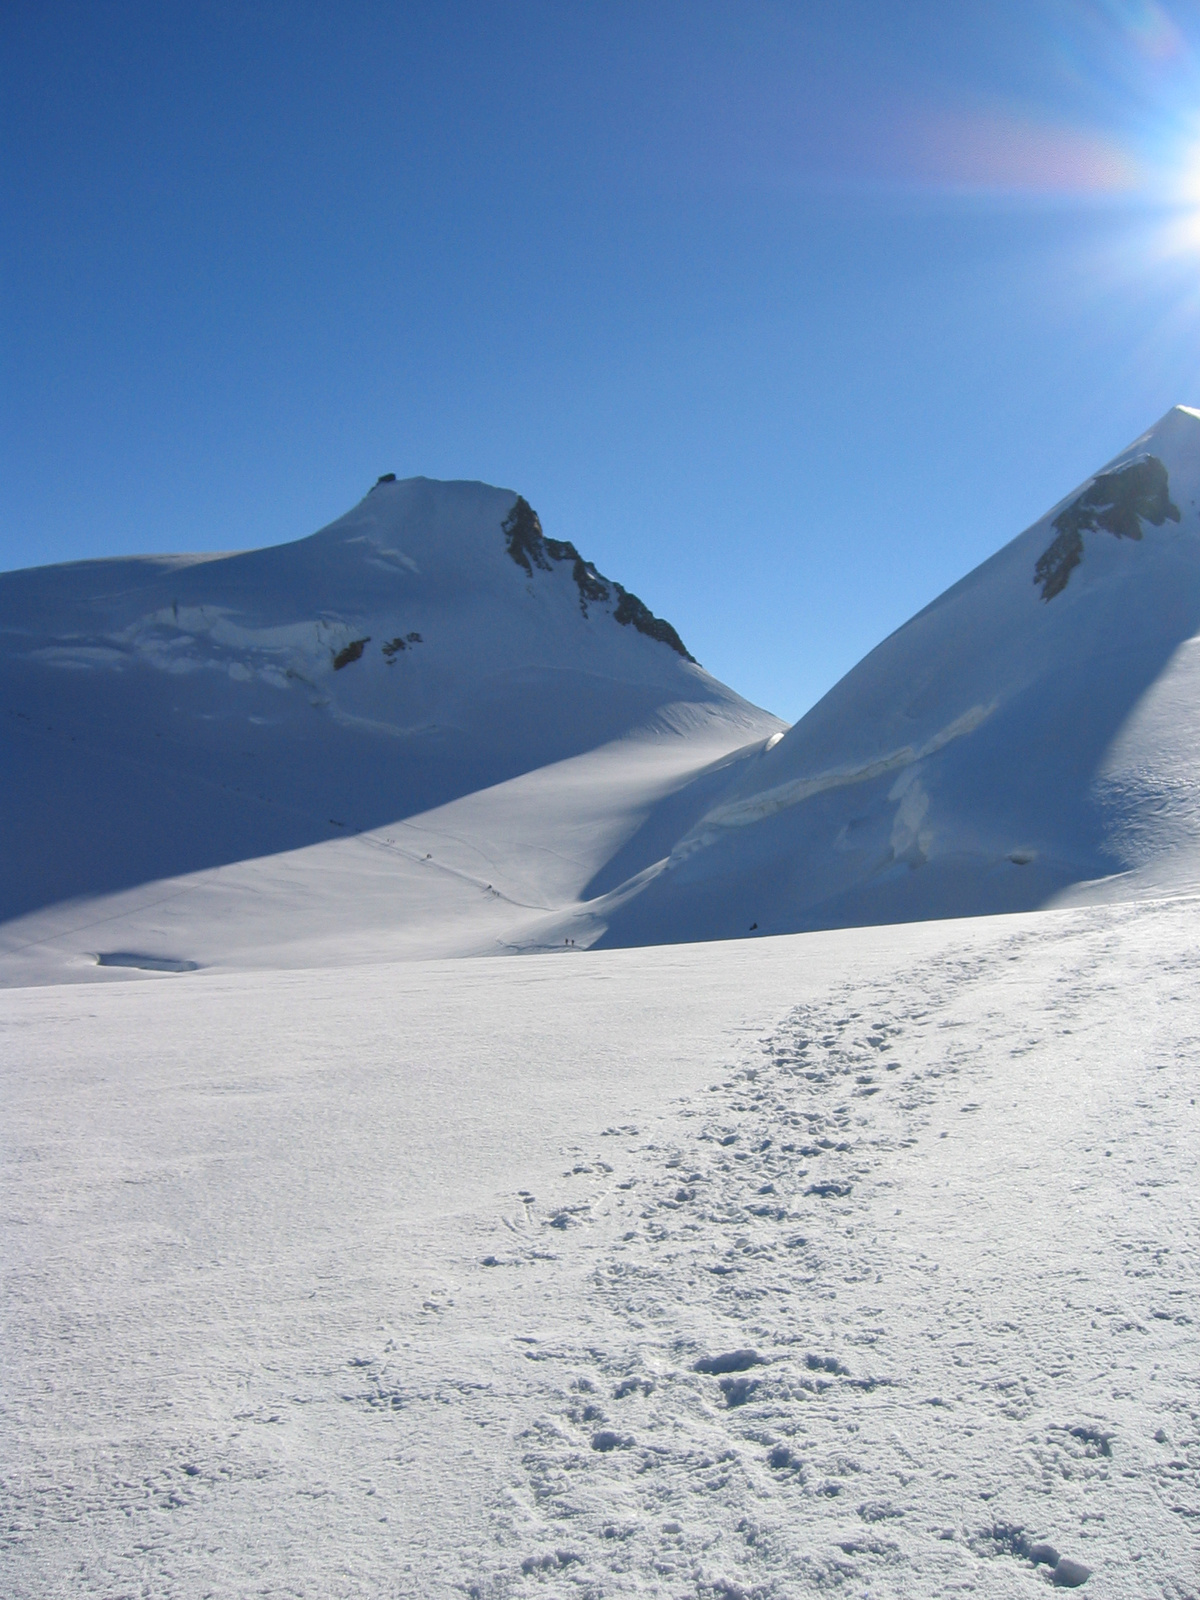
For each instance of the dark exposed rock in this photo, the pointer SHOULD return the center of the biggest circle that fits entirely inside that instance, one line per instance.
(523, 537)
(1115, 502)
(631, 610)
(588, 581)
(529, 548)
(400, 642)
(351, 653)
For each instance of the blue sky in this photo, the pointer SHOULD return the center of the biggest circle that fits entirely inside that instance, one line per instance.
(786, 314)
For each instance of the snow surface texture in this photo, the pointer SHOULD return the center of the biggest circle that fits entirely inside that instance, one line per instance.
(417, 731)
(857, 1262)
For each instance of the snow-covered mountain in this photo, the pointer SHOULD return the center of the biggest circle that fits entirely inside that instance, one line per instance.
(172, 720)
(431, 730)
(1036, 728)
(855, 1261)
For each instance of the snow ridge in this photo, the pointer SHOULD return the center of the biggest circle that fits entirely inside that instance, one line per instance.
(529, 547)
(993, 754)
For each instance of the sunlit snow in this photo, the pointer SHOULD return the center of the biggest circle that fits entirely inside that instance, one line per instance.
(340, 1261)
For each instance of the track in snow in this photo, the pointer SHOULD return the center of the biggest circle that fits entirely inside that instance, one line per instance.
(272, 1329)
(940, 1238)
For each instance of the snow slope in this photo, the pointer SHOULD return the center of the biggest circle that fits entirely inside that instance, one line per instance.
(419, 727)
(430, 730)
(411, 1280)
(1033, 730)
(858, 1261)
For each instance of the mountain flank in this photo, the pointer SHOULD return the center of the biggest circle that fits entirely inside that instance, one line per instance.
(168, 716)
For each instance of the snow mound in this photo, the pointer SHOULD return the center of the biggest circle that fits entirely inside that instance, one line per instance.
(1030, 734)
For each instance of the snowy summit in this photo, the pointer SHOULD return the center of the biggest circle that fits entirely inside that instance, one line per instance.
(215, 721)
(1031, 732)
(432, 729)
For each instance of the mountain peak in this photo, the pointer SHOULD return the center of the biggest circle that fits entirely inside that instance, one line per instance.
(431, 643)
(1030, 730)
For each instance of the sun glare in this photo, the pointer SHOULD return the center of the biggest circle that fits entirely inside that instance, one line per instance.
(1181, 234)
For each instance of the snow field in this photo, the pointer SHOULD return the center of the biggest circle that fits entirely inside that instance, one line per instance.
(403, 1279)
(481, 875)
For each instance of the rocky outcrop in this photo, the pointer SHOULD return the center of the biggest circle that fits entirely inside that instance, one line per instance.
(530, 548)
(1115, 502)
